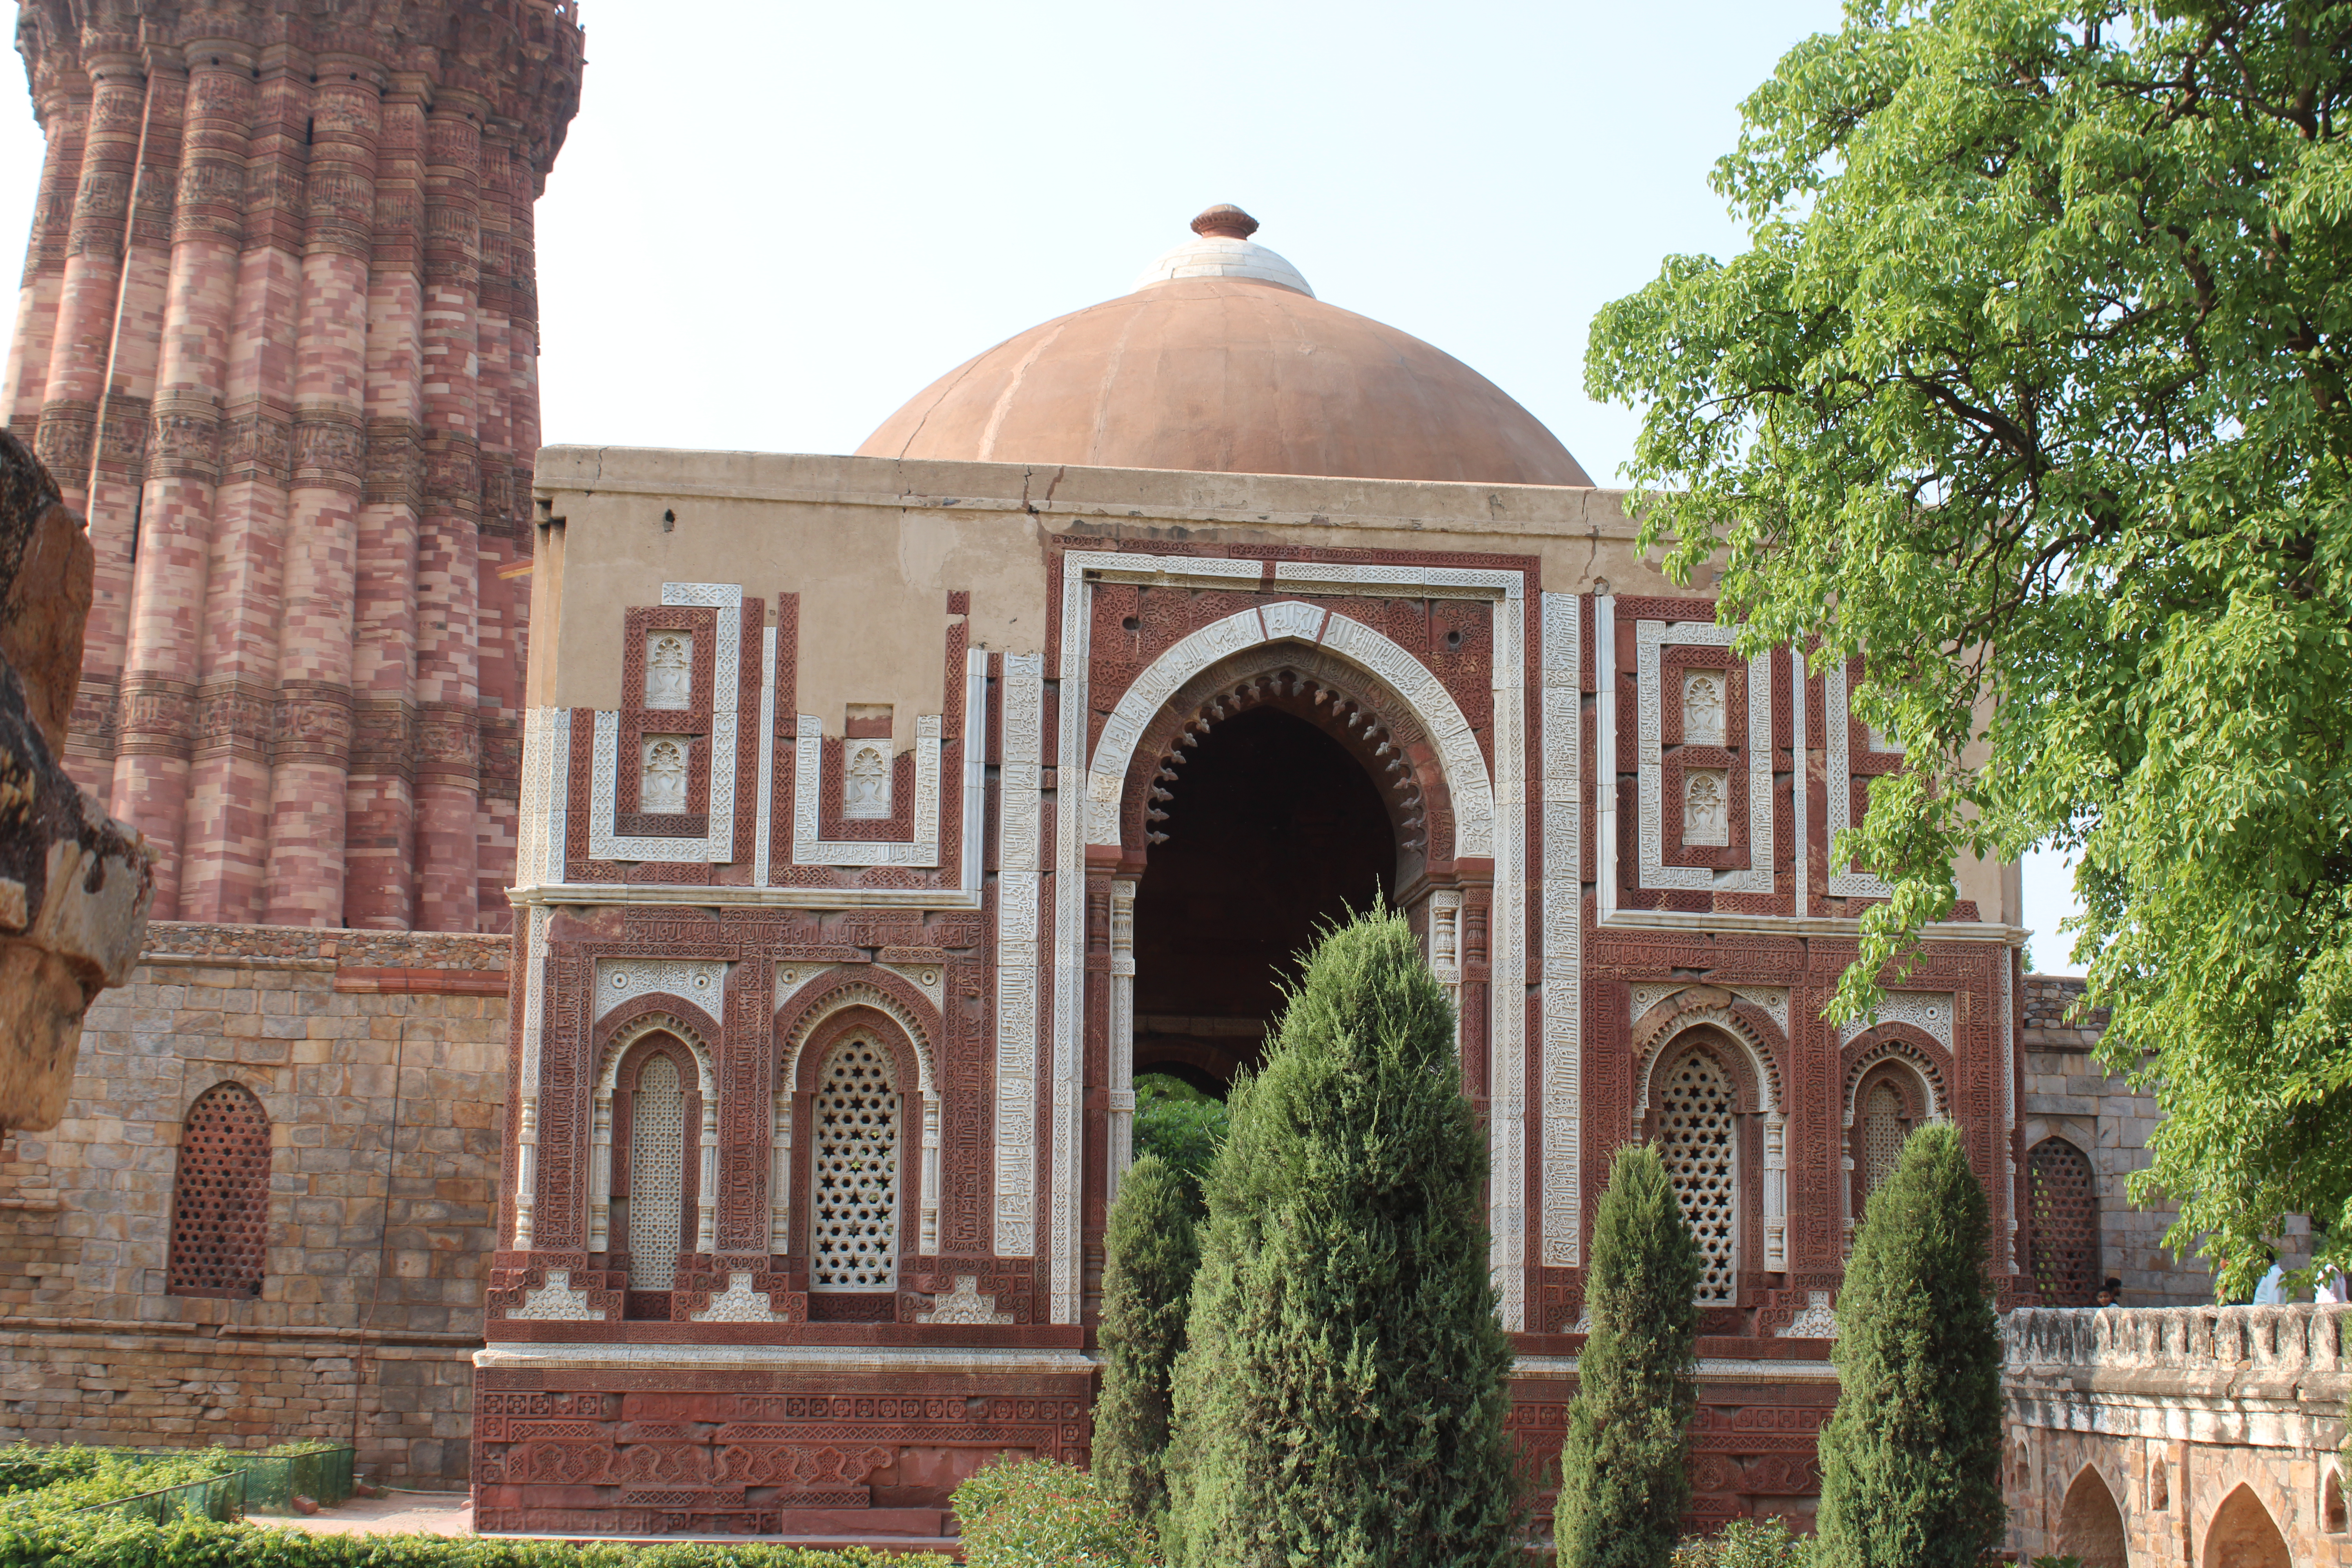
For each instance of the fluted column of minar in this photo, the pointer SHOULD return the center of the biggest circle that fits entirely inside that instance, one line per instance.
(276, 332)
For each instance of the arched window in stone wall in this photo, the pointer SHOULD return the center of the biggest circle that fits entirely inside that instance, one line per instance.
(853, 1186)
(1890, 1100)
(655, 1170)
(220, 1196)
(1696, 1125)
(2063, 1205)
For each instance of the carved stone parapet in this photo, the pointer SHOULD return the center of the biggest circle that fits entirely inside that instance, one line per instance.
(186, 442)
(122, 436)
(257, 444)
(383, 736)
(502, 743)
(312, 723)
(233, 719)
(92, 731)
(498, 513)
(66, 431)
(331, 449)
(212, 198)
(396, 463)
(101, 208)
(452, 472)
(342, 212)
(448, 744)
(154, 715)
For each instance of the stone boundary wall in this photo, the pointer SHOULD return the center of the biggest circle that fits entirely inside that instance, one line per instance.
(379, 1059)
(2069, 1095)
(2174, 1437)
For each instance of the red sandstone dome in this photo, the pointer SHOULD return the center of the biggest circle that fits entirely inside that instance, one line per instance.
(1222, 360)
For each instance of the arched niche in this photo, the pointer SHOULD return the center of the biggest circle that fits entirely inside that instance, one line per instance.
(2244, 1535)
(2090, 1524)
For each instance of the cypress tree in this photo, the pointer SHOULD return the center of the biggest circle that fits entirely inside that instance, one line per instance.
(1911, 1460)
(1149, 1256)
(1341, 1400)
(1624, 1482)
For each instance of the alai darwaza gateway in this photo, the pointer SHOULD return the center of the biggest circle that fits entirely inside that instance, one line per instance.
(884, 818)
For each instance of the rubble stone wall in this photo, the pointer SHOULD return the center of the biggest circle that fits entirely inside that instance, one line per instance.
(380, 1060)
(2069, 1095)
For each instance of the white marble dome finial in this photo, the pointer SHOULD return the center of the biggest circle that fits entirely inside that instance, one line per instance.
(1223, 250)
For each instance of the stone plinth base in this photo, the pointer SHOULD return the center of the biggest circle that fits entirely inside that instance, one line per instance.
(757, 1440)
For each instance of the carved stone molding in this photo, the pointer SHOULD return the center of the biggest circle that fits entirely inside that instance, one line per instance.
(702, 981)
(155, 716)
(234, 719)
(313, 720)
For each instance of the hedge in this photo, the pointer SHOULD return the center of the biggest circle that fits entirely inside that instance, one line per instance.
(1040, 1514)
(106, 1543)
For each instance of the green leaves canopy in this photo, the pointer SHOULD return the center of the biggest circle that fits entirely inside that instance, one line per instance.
(2032, 388)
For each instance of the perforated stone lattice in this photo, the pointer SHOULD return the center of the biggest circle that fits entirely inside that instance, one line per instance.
(856, 1187)
(1697, 1137)
(1882, 1136)
(220, 1198)
(2065, 1209)
(656, 1176)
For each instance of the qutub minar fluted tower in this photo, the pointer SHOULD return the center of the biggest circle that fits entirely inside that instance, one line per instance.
(277, 336)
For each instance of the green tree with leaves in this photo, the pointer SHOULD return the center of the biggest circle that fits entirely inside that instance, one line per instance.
(1179, 1123)
(1911, 1460)
(1623, 1475)
(1341, 1399)
(1150, 1254)
(2031, 389)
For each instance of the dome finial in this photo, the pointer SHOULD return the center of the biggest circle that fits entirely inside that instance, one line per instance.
(1227, 219)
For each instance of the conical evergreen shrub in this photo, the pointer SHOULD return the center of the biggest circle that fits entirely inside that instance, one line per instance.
(1911, 1460)
(1341, 1400)
(1623, 1480)
(1148, 1255)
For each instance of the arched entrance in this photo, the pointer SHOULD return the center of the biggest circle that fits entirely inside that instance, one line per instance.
(2244, 1535)
(1269, 828)
(2090, 1525)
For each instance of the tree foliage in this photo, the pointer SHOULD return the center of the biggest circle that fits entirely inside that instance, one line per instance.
(2032, 386)
(1911, 1460)
(1341, 1399)
(1179, 1123)
(1623, 1480)
(1149, 1256)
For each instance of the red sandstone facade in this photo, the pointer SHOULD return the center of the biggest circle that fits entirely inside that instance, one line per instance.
(1612, 833)
(278, 337)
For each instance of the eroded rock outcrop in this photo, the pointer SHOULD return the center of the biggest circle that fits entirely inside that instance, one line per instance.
(74, 884)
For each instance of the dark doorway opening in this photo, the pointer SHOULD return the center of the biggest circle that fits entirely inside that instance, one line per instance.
(1274, 828)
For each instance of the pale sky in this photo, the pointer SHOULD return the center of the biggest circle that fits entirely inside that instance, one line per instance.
(771, 225)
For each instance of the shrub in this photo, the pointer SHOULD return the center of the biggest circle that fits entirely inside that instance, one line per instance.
(90, 1478)
(1178, 1123)
(1624, 1479)
(1341, 1398)
(1747, 1543)
(1911, 1459)
(1149, 1252)
(1040, 1514)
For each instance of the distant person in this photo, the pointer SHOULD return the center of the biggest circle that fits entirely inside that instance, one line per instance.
(2335, 1288)
(2111, 1294)
(2272, 1291)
